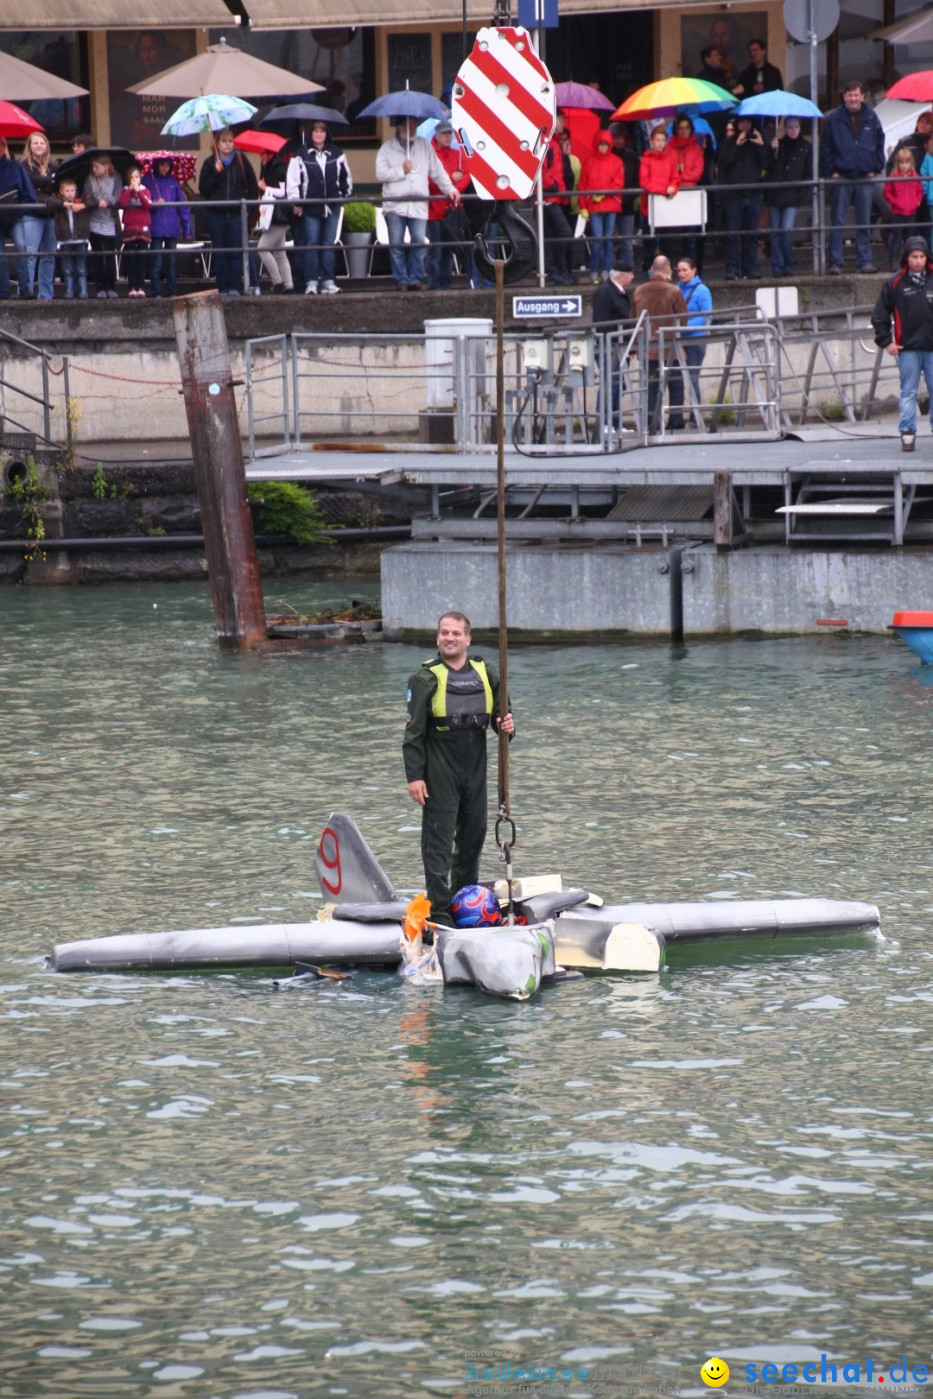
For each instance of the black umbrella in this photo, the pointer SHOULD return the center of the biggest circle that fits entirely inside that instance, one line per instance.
(78, 167)
(305, 111)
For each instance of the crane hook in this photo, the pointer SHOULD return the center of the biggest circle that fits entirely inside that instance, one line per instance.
(517, 244)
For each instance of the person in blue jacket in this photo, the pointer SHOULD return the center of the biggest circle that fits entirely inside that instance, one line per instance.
(699, 301)
(171, 220)
(16, 189)
(852, 150)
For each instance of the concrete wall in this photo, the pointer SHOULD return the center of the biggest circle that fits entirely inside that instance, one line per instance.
(606, 590)
(124, 377)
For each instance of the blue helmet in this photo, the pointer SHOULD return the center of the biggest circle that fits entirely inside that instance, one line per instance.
(474, 906)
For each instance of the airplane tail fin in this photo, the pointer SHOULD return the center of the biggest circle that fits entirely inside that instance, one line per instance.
(346, 868)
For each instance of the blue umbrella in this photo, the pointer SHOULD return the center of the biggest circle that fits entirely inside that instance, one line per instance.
(405, 104)
(777, 104)
(701, 127)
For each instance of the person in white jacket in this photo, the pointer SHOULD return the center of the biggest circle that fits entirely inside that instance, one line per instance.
(403, 166)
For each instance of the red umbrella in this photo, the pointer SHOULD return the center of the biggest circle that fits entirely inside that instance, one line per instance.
(259, 142)
(184, 164)
(916, 87)
(15, 122)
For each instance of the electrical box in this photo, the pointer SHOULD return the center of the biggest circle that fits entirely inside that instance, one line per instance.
(537, 353)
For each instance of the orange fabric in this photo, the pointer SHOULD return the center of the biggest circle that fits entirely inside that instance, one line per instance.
(602, 172)
(657, 173)
(689, 154)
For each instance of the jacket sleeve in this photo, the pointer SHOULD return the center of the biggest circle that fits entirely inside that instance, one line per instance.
(881, 316)
(437, 172)
(295, 180)
(183, 211)
(208, 180)
(421, 687)
(387, 169)
(828, 148)
(345, 177)
(878, 163)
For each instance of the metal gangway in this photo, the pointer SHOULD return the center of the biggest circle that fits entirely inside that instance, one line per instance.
(568, 391)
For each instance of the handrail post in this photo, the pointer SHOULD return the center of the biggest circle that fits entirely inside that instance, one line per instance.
(244, 235)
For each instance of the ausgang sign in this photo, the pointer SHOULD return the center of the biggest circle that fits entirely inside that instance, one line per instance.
(529, 308)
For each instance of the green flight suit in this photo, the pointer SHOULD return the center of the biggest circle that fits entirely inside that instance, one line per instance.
(452, 765)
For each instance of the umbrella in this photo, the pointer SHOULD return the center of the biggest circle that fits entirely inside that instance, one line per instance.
(305, 111)
(259, 142)
(916, 87)
(701, 127)
(15, 122)
(777, 104)
(184, 164)
(406, 103)
(580, 95)
(670, 95)
(210, 113)
(222, 68)
(428, 128)
(78, 167)
(31, 84)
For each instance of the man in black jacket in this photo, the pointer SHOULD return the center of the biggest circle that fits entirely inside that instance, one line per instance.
(760, 75)
(611, 307)
(903, 325)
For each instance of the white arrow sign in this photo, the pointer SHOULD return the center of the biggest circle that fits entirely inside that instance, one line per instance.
(529, 307)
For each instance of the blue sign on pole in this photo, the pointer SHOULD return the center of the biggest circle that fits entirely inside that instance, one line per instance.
(537, 14)
(529, 308)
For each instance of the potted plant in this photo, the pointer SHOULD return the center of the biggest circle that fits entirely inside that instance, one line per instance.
(359, 225)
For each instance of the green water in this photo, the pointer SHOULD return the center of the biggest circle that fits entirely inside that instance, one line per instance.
(208, 1187)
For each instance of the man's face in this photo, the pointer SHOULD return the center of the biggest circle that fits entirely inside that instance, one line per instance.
(453, 642)
(917, 260)
(407, 129)
(757, 54)
(852, 99)
(443, 138)
(715, 59)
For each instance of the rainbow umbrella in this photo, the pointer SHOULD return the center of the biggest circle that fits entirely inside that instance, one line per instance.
(670, 95)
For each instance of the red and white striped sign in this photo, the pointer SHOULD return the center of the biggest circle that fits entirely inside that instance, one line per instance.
(504, 110)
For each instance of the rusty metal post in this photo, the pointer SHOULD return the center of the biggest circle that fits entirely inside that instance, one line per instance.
(219, 471)
(723, 523)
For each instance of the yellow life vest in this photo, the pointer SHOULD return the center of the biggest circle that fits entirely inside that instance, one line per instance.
(470, 710)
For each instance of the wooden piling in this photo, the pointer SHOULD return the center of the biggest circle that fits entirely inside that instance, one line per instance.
(219, 470)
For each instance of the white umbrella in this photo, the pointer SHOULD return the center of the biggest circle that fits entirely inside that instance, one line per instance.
(222, 68)
(24, 82)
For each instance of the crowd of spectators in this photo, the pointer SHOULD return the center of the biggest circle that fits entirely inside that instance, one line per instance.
(602, 188)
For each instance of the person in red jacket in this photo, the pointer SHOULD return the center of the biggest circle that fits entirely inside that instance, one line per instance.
(691, 163)
(657, 174)
(135, 205)
(904, 193)
(602, 175)
(440, 247)
(558, 235)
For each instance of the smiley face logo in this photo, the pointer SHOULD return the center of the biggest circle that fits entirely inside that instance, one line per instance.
(715, 1372)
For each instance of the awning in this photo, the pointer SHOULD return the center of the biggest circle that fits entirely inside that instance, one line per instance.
(289, 14)
(915, 29)
(116, 14)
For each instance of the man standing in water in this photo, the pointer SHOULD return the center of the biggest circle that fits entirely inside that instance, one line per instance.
(452, 700)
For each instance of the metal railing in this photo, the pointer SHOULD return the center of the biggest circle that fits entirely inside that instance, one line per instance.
(566, 392)
(15, 398)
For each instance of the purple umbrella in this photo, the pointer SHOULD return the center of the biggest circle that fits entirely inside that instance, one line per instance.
(579, 95)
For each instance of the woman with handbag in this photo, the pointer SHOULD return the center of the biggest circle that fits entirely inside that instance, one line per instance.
(274, 220)
(16, 189)
(35, 232)
(226, 179)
